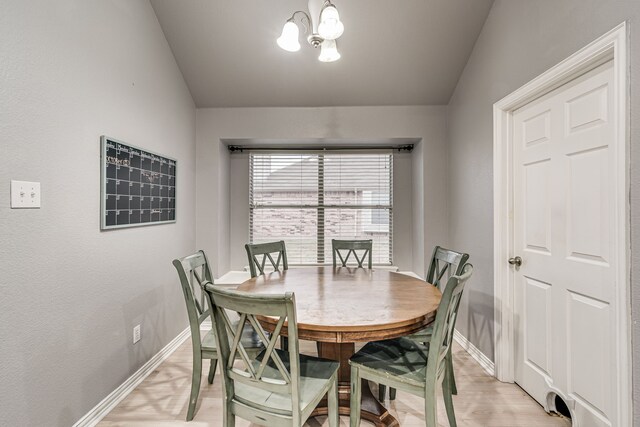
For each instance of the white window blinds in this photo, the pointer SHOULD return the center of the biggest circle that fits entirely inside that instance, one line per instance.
(307, 199)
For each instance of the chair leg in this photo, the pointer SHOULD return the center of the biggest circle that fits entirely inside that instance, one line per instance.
(356, 397)
(454, 388)
(430, 408)
(332, 400)
(212, 370)
(228, 417)
(448, 400)
(195, 386)
(392, 393)
(382, 392)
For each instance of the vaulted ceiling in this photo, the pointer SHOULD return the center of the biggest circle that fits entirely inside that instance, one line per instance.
(403, 52)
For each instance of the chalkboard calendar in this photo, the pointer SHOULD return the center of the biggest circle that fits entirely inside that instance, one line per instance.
(138, 186)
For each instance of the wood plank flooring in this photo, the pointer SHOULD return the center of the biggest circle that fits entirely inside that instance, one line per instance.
(161, 400)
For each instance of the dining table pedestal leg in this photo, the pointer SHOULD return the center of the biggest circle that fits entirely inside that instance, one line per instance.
(371, 409)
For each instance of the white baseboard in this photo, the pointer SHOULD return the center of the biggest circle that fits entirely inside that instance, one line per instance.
(477, 355)
(96, 414)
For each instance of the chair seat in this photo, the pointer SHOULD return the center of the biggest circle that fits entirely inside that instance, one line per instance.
(315, 374)
(398, 357)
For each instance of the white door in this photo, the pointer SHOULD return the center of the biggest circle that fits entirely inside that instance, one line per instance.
(565, 308)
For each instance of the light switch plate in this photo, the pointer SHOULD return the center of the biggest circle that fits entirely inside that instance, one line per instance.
(25, 194)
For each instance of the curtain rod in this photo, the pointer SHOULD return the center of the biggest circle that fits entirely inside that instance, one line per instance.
(242, 148)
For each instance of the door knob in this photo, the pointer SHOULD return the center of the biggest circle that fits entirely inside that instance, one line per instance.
(517, 261)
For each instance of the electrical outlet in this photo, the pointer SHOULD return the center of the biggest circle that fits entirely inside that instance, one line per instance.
(136, 334)
(25, 194)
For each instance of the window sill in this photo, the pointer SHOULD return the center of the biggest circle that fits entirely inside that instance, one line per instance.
(236, 277)
(233, 278)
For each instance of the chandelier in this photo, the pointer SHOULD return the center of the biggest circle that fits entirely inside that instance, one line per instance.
(323, 25)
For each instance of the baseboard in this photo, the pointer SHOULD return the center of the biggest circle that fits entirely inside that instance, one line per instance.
(108, 403)
(473, 351)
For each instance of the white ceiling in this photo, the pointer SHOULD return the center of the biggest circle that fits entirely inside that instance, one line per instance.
(402, 52)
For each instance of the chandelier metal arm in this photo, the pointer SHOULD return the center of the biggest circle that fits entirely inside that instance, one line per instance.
(307, 26)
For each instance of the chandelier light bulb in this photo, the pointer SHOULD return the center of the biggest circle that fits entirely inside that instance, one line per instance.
(289, 38)
(329, 51)
(330, 27)
(322, 25)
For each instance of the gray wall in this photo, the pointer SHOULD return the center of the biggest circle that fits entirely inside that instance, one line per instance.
(70, 294)
(216, 217)
(520, 40)
(402, 210)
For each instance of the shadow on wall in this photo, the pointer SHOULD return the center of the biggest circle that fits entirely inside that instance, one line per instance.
(147, 309)
(479, 321)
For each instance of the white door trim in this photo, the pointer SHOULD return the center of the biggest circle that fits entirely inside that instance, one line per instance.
(611, 46)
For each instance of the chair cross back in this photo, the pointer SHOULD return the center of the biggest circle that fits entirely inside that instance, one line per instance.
(251, 373)
(270, 373)
(261, 264)
(256, 266)
(443, 261)
(351, 246)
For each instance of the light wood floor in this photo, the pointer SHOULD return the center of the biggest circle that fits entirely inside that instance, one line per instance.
(161, 400)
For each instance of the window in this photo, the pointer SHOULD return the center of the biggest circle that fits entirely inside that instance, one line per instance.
(307, 199)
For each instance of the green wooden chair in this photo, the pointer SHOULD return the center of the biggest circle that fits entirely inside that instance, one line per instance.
(277, 388)
(256, 267)
(351, 246)
(410, 366)
(444, 263)
(194, 272)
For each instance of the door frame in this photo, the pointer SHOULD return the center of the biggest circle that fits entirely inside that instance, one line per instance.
(611, 46)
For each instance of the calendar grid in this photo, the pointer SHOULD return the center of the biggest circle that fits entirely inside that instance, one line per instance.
(138, 186)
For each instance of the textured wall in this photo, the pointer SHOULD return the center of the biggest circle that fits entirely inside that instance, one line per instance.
(520, 40)
(72, 70)
(215, 189)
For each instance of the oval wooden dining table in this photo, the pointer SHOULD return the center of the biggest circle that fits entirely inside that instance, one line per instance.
(340, 306)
